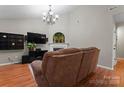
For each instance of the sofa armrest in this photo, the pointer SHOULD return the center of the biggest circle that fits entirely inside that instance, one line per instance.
(37, 71)
(36, 67)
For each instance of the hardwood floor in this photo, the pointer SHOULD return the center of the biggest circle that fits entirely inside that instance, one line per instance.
(16, 75)
(119, 71)
(106, 78)
(19, 75)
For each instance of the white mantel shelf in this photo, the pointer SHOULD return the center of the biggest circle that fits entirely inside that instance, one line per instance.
(57, 45)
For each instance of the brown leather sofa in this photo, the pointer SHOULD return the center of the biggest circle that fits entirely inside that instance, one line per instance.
(89, 62)
(65, 67)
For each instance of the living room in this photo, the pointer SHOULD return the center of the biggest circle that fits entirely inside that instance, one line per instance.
(80, 26)
(69, 24)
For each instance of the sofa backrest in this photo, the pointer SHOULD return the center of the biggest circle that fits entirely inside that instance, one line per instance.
(89, 62)
(65, 67)
(94, 60)
(61, 67)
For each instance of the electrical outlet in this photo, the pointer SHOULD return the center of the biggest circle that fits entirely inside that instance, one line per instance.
(16, 57)
(9, 58)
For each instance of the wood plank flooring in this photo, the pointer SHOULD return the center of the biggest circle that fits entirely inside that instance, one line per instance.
(119, 71)
(19, 75)
(106, 78)
(16, 75)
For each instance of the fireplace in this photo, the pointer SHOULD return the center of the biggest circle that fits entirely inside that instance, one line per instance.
(54, 49)
(57, 46)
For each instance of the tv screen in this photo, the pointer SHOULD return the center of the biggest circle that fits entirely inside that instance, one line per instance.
(36, 38)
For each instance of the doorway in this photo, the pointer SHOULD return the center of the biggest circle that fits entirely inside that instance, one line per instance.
(120, 42)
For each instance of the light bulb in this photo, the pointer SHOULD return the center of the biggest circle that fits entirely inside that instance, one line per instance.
(44, 14)
(57, 16)
(51, 13)
(48, 20)
(44, 18)
(54, 20)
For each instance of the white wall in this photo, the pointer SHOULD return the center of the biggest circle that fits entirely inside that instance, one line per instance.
(92, 26)
(20, 26)
(120, 41)
(84, 27)
(60, 26)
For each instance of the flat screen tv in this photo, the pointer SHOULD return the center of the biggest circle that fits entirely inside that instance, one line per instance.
(36, 38)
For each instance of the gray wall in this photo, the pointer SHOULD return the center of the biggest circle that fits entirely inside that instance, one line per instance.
(20, 26)
(120, 41)
(60, 26)
(92, 26)
(84, 27)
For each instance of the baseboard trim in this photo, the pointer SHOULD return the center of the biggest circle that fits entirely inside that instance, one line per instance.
(105, 67)
(3, 64)
(120, 58)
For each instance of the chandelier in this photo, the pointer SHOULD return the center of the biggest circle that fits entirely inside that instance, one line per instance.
(50, 17)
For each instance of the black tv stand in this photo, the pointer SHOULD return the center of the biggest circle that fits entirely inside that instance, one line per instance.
(33, 55)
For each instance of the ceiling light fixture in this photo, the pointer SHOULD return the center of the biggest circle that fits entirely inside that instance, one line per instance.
(50, 17)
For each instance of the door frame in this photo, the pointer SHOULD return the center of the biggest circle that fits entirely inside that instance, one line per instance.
(114, 47)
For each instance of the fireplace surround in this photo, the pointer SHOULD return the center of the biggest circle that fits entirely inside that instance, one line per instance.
(56, 46)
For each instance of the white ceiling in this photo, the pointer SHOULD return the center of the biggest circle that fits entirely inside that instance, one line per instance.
(31, 11)
(118, 13)
(119, 18)
(35, 11)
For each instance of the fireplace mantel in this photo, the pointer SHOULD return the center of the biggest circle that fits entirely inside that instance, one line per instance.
(57, 45)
